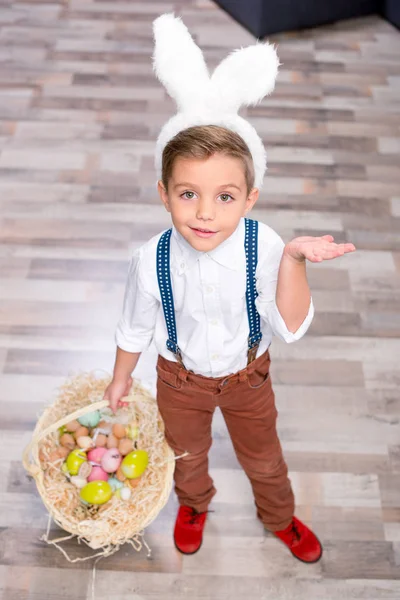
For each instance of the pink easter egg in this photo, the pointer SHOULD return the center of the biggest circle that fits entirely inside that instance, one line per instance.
(98, 474)
(96, 454)
(111, 460)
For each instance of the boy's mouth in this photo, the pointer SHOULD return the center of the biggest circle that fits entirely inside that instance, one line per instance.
(204, 233)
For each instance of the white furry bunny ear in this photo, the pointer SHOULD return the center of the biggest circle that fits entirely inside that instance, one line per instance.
(178, 62)
(245, 76)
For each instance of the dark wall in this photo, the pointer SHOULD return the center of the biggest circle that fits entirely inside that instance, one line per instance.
(391, 11)
(264, 17)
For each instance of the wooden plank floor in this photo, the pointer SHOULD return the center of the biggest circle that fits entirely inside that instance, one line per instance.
(79, 113)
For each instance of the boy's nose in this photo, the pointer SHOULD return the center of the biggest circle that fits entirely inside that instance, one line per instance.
(205, 209)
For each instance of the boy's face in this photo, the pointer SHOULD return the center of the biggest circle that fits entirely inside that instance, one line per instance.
(207, 198)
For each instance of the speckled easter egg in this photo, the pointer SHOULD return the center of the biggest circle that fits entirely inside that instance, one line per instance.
(111, 460)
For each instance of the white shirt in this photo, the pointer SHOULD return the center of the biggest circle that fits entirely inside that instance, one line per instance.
(210, 304)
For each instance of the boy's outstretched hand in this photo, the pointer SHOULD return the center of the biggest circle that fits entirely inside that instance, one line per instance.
(316, 249)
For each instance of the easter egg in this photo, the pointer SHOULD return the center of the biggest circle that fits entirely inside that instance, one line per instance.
(62, 430)
(101, 440)
(63, 451)
(98, 474)
(78, 482)
(132, 431)
(74, 460)
(96, 492)
(112, 441)
(96, 454)
(105, 427)
(119, 431)
(67, 440)
(91, 419)
(135, 463)
(85, 442)
(72, 426)
(111, 460)
(85, 469)
(115, 483)
(134, 482)
(120, 475)
(125, 493)
(125, 446)
(81, 432)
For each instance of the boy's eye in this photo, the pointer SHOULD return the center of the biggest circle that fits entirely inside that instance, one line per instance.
(226, 197)
(188, 195)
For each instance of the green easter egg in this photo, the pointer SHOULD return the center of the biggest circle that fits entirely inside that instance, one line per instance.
(96, 492)
(91, 419)
(62, 430)
(135, 463)
(74, 460)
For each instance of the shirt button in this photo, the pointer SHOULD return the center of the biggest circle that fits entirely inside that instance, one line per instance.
(183, 265)
(214, 322)
(209, 289)
(215, 357)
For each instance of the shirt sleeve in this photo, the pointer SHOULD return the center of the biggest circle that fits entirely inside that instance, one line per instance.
(135, 328)
(267, 278)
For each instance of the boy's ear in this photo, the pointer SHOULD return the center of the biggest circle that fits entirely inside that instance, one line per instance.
(251, 200)
(163, 195)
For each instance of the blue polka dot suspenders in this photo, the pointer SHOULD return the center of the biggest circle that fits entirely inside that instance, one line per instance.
(251, 249)
(167, 297)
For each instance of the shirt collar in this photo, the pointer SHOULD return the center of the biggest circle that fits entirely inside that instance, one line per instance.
(226, 254)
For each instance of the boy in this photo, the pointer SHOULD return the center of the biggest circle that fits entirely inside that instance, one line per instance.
(212, 292)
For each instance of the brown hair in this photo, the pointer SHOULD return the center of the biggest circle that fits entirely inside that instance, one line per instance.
(203, 141)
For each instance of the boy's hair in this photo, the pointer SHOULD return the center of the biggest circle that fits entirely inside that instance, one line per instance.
(203, 141)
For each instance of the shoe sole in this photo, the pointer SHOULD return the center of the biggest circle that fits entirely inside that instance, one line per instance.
(187, 553)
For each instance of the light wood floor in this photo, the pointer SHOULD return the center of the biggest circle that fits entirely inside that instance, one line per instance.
(79, 113)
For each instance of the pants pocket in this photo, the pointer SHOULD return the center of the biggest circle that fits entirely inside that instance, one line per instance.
(169, 379)
(260, 375)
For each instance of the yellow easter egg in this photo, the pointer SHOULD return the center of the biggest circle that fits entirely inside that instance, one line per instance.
(96, 492)
(135, 463)
(74, 460)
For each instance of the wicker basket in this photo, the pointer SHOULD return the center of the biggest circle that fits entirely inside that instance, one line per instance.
(117, 522)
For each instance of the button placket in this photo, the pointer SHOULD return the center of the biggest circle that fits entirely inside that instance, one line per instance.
(212, 305)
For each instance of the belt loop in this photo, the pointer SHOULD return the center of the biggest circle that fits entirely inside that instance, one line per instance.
(183, 374)
(243, 375)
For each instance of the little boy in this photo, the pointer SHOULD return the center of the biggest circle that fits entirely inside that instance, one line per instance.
(211, 292)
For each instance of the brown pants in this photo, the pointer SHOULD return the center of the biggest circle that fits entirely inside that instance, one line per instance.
(187, 402)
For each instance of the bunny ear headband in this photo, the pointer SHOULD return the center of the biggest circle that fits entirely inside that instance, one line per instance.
(242, 79)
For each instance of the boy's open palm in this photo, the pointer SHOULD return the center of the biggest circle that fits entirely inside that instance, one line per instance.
(316, 249)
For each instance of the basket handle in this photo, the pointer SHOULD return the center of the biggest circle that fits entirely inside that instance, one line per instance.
(32, 467)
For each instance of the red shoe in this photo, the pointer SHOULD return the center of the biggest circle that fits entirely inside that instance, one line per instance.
(301, 541)
(188, 532)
